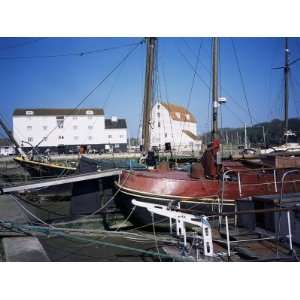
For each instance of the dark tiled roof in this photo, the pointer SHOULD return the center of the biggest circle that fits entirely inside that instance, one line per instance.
(58, 111)
(5, 142)
(120, 123)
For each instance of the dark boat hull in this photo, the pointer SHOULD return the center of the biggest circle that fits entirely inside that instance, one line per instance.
(38, 170)
(140, 216)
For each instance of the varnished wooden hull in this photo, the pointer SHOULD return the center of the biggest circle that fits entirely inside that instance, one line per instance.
(201, 195)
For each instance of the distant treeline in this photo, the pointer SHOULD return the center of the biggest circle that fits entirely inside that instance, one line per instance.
(273, 132)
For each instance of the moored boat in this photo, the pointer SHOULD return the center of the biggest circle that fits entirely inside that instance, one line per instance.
(212, 185)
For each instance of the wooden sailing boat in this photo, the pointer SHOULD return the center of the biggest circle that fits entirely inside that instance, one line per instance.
(35, 165)
(287, 147)
(209, 183)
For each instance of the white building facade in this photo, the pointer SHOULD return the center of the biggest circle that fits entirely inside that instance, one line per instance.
(174, 124)
(7, 148)
(66, 128)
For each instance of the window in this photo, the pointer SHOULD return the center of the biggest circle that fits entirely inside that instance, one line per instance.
(158, 106)
(89, 112)
(110, 136)
(29, 127)
(158, 124)
(61, 137)
(45, 127)
(75, 127)
(75, 137)
(188, 117)
(117, 146)
(29, 112)
(30, 139)
(90, 127)
(60, 121)
(158, 115)
(90, 137)
(45, 138)
(178, 115)
(166, 135)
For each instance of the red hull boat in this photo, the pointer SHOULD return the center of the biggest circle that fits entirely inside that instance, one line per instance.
(206, 188)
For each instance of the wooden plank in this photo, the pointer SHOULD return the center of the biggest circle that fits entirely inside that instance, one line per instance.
(60, 181)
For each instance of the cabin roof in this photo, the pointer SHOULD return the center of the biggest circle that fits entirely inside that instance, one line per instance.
(179, 113)
(191, 135)
(118, 124)
(58, 112)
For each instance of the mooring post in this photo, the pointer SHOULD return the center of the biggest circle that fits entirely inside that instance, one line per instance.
(227, 236)
(289, 229)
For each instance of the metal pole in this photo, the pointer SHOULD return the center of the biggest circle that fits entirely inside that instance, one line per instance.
(227, 236)
(245, 136)
(264, 136)
(286, 90)
(215, 96)
(289, 229)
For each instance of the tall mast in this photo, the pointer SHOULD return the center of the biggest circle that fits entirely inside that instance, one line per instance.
(286, 90)
(11, 137)
(215, 96)
(148, 92)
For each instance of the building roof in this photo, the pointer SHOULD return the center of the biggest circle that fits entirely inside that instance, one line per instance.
(191, 135)
(119, 124)
(57, 111)
(179, 113)
(5, 142)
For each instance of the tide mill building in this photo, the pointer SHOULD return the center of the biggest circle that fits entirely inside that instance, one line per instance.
(69, 128)
(174, 125)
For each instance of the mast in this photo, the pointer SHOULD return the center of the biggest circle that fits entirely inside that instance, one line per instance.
(245, 136)
(215, 96)
(286, 90)
(148, 92)
(11, 137)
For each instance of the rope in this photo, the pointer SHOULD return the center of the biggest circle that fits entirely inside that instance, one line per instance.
(96, 87)
(57, 232)
(29, 212)
(155, 240)
(22, 44)
(242, 80)
(80, 54)
(191, 91)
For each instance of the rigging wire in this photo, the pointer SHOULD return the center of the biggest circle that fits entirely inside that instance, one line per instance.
(97, 86)
(80, 54)
(166, 95)
(294, 96)
(225, 90)
(22, 44)
(191, 89)
(242, 80)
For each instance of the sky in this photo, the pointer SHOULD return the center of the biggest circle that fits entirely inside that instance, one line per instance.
(50, 73)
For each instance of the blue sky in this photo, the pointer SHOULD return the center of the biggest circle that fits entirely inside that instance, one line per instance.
(64, 81)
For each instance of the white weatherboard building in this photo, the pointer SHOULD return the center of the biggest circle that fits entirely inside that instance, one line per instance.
(6, 147)
(69, 128)
(174, 124)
